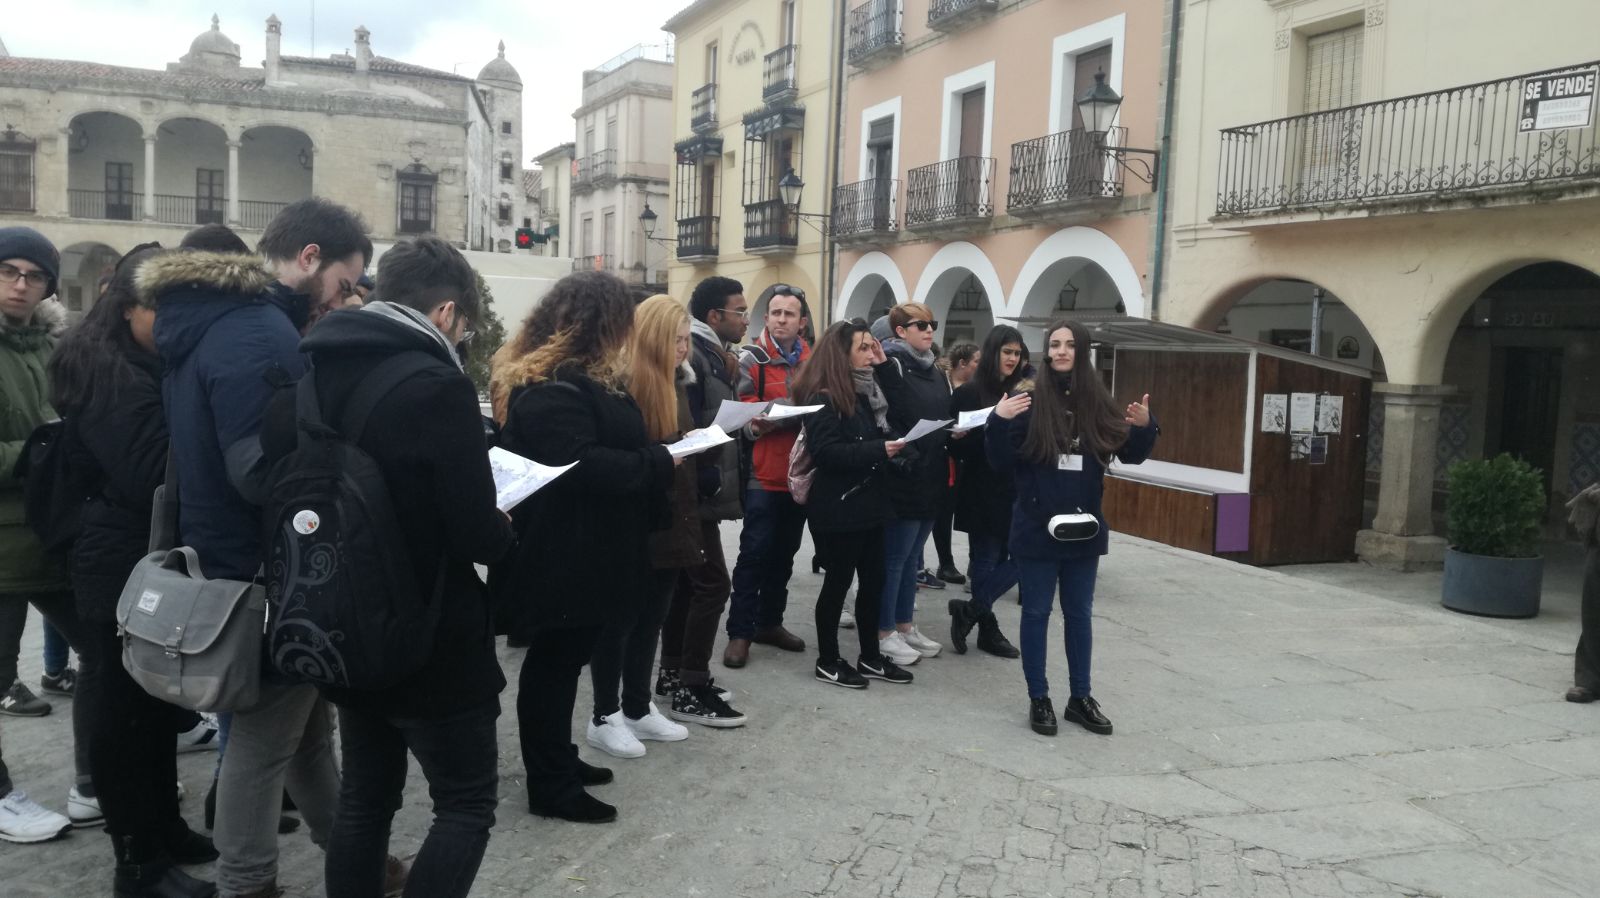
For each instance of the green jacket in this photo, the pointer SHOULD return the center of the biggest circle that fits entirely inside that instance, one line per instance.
(24, 566)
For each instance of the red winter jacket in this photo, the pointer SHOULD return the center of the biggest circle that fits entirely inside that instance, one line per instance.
(764, 376)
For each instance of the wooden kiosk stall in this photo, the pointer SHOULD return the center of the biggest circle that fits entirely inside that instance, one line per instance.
(1262, 456)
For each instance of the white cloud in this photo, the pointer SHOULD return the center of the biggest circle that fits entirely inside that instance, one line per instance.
(550, 43)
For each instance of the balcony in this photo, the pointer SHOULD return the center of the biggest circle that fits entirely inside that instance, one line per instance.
(950, 15)
(779, 85)
(168, 209)
(697, 238)
(1064, 171)
(866, 212)
(603, 167)
(769, 228)
(1460, 143)
(876, 32)
(255, 215)
(583, 176)
(954, 194)
(703, 109)
(593, 263)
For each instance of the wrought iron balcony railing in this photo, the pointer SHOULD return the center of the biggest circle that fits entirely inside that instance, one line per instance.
(603, 166)
(1065, 168)
(257, 214)
(697, 237)
(951, 14)
(780, 83)
(703, 109)
(866, 210)
(593, 263)
(954, 191)
(168, 209)
(1448, 142)
(584, 176)
(769, 225)
(875, 30)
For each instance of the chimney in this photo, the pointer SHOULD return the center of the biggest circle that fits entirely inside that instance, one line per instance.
(274, 40)
(363, 55)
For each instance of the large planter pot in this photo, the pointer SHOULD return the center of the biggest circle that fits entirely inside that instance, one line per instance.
(1490, 586)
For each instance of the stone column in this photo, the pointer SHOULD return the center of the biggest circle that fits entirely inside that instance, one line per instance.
(233, 183)
(149, 178)
(1402, 536)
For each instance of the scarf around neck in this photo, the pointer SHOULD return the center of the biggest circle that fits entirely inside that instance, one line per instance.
(867, 386)
(416, 321)
(924, 358)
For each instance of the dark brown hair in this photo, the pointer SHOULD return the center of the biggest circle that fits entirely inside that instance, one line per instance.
(1070, 406)
(991, 386)
(828, 369)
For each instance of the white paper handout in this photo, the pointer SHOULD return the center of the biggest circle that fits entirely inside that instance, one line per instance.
(516, 478)
(697, 441)
(923, 428)
(1330, 414)
(733, 414)
(1274, 413)
(972, 420)
(1302, 412)
(779, 412)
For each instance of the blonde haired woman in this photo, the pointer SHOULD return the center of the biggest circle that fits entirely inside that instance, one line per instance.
(656, 374)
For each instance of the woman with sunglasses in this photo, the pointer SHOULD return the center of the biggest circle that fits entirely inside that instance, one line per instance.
(1057, 443)
(917, 390)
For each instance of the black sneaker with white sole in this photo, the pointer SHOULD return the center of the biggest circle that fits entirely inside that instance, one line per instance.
(668, 682)
(885, 670)
(702, 705)
(840, 673)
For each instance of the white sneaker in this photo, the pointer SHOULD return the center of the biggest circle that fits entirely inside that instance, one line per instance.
(655, 726)
(202, 738)
(922, 645)
(613, 737)
(847, 621)
(83, 810)
(23, 820)
(894, 648)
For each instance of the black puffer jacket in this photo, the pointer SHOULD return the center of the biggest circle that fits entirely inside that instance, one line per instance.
(118, 440)
(916, 393)
(848, 492)
(983, 495)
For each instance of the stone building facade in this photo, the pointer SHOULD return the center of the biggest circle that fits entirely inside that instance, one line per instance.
(101, 158)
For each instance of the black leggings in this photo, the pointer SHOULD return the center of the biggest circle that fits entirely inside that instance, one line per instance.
(857, 554)
(626, 652)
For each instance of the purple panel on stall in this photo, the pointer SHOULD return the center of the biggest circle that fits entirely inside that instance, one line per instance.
(1233, 522)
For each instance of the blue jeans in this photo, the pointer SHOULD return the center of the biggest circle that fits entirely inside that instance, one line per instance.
(903, 542)
(55, 650)
(773, 526)
(1038, 580)
(990, 569)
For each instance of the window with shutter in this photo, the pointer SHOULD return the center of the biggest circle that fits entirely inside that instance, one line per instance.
(1332, 142)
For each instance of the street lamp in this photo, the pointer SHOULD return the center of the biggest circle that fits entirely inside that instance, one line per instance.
(789, 188)
(1098, 106)
(647, 221)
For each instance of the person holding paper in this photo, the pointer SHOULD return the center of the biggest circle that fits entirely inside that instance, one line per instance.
(583, 553)
(959, 364)
(984, 495)
(773, 523)
(1057, 443)
(917, 391)
(850, 442)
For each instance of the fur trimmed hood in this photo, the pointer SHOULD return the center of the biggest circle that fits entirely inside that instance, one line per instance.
(211, 272)
(49, 320)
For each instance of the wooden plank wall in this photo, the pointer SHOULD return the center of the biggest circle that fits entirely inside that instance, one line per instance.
(1171, 516)
(1198, 398)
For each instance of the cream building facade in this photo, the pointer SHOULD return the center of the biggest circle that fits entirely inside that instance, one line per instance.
(555, 197)
(1373, 180)
(101, 158)
(969, 180)
(754, 98)
(622, 165)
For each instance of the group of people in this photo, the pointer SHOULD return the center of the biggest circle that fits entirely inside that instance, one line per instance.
(184, 374)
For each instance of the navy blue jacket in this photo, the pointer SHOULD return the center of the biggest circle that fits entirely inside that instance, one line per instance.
(1043, 490)
(228, 335)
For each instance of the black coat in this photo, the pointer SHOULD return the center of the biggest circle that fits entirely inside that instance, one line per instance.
(916, 393)
(983, 495)
(849, 491)
(583, 549)
(116, 440)
(427, 438)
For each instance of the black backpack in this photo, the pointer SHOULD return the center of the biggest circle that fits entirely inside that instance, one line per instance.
(53, 494)
(343, 605)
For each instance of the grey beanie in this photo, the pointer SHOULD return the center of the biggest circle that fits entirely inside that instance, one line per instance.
(881, 330)
(26, 243)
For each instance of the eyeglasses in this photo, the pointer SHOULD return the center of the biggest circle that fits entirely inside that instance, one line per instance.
(786, 290)
(10, 273)
(925, 325)
(736, 313)
(467, 335)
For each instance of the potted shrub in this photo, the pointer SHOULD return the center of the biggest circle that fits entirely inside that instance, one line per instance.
(1494, 512)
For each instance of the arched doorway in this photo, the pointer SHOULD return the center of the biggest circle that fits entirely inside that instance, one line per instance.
(105, 167)
(873, 284)
(1303, 316)
(960, 286)
(82, 266)
(191, 173)
(275, 169)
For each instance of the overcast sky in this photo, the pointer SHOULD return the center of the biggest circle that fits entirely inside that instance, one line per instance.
(551, 42)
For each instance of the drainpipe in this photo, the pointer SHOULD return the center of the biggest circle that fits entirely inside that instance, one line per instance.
(1316, 321)
(830, 258)
(1158, 265)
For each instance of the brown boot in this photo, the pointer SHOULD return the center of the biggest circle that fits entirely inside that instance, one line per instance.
(778, 637)
(737, 654)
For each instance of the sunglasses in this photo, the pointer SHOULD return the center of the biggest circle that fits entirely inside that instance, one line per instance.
(786, 290)
(925, 325)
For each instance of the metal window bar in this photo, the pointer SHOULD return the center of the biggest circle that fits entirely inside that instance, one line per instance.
(866, 207)
(16, 180)
(703, 108)
(99, 204)
(255, 215)
(779, 68)
(1441, 143)
(1065, 167)
(603, 165)
(697, 236)
(769, 224)
(954, 190)
(875, 26)
(943, 12)
(416, 208)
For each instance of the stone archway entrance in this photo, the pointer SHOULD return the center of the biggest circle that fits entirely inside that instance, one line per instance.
(82, 266)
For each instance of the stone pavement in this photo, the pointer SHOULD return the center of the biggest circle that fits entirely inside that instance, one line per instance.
(1275, 737)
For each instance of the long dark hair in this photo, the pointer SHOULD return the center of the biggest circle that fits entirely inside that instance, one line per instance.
(828, 370)
(1075, 405)
(99, 351)
(991, 386)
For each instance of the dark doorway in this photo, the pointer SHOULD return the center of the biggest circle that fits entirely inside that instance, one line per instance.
(1530, 406)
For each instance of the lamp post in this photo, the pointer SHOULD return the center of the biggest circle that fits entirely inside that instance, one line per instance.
(789, 189)
(1099, 106)
(647, 223)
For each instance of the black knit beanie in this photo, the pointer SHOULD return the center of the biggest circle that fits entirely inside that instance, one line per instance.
(26, 243)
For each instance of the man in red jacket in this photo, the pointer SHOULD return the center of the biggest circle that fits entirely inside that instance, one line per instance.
(773, 522)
